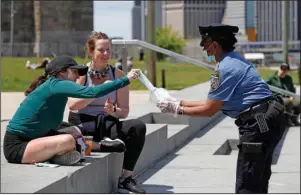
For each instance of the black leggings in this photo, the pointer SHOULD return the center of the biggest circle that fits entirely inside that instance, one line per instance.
(132, 133)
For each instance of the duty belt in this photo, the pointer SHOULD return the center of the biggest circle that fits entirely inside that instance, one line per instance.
(256, 112)
(252, 111)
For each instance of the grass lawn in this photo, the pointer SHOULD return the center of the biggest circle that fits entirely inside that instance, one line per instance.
(15, 77)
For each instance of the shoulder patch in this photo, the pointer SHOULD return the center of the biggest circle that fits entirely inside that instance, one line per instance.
(215, 81)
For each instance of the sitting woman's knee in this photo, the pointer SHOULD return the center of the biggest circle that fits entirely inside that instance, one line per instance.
(67, 142)
(140, 127)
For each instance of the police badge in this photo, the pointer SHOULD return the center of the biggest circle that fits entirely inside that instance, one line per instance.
(215, 81)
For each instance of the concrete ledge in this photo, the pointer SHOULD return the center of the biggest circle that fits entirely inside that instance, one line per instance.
(100, 173)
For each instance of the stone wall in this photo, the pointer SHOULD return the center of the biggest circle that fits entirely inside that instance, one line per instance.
(67, 22)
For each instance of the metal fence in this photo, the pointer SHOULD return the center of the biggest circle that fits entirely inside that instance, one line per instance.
(47, 49)
(272, 50)
(186, 59)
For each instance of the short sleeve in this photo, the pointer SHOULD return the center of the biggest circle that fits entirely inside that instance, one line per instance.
(224, 82)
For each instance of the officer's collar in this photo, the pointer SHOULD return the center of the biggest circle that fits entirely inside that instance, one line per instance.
(227, 54)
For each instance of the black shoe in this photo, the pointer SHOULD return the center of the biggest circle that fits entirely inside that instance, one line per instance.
(108, 145)
(296, 123)
(129, 185)
(290, 123)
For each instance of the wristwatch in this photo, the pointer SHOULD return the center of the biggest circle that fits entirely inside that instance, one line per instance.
(114, 109)
(181, 110)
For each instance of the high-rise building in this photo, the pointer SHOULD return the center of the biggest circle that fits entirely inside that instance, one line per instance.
(269, 20)
(49, 22)
(186, 16)
(139, 18)
(136, 20)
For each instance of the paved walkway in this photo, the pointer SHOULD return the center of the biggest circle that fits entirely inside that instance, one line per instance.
(195, 169)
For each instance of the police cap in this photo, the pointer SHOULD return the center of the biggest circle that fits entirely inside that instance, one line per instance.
(217, 32)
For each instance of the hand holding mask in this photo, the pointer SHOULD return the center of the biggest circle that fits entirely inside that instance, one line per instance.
(160, 97)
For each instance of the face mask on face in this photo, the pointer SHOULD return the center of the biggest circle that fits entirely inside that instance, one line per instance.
(210, 59)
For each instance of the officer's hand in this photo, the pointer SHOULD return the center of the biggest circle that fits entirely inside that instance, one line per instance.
(167, 106)
(292, 99)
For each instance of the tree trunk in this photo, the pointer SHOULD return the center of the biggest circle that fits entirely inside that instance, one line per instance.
(37, 24)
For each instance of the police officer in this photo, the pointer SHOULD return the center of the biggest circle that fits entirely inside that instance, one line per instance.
(239, 92)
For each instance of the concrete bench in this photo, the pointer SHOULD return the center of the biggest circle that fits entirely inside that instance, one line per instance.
(100, 173)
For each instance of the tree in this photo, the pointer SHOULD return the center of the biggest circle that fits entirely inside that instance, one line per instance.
(169, 39)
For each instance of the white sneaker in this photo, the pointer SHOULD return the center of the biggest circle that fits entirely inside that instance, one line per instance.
(109, 145)
(69, 158)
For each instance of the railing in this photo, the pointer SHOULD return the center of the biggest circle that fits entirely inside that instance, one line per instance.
(188, 60)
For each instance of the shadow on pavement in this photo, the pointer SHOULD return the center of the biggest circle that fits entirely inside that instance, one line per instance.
(161, 163)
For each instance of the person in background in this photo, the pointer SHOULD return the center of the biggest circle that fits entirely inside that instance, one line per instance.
(101, 117)
(283, 80)
(129, 63)
(141, 54)
(38, 65)
(118, 64)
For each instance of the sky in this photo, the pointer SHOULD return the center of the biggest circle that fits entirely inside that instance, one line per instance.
(114, 18)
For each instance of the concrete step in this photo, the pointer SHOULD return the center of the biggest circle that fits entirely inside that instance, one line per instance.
(99, 174)
(154, 146)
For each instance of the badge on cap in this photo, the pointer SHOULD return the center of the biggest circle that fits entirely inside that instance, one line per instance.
(215, 81)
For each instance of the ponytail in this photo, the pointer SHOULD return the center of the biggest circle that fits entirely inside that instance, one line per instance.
(37, 82)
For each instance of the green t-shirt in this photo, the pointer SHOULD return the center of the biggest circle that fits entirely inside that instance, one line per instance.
(285, 83)
(43, 109)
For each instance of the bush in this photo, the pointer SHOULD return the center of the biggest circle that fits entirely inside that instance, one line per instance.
(169, 39)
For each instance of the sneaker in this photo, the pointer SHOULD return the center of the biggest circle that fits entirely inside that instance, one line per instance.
(129, 185)
(109, 145)
(69, 158)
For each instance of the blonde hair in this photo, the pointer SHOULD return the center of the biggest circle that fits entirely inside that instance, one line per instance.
(90, 44)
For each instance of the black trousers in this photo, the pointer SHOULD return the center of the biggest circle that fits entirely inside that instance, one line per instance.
(254, 167)
(132, 132)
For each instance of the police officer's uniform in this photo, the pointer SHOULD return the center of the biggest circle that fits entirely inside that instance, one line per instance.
(259, 115)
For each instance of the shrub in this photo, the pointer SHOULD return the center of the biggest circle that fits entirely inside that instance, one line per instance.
(169, 39)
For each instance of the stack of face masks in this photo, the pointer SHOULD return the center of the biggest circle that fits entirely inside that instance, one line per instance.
(156, 94)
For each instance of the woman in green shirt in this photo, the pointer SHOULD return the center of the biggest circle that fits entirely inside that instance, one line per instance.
(31, 135)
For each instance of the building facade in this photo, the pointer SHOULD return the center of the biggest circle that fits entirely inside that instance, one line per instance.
(236, 14)
(186, 16)
(136, 20)
(56, 26)
(139, 18)
(268, 21)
